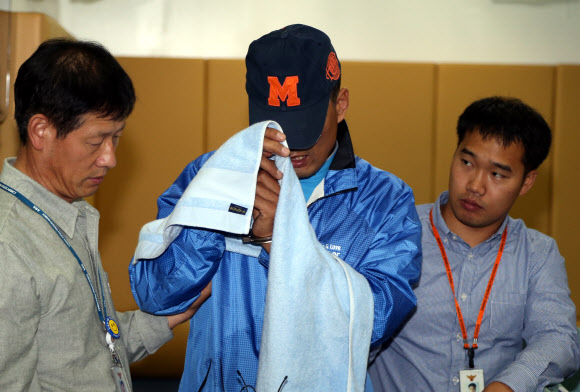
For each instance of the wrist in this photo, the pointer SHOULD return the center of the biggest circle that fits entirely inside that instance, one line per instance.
(252, 239)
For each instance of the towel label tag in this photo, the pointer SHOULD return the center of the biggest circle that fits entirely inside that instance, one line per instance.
(238, 209)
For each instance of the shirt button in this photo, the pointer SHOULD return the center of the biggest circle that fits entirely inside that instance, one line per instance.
(458, 336)
(455, 380)
(470, 255)
(454, 238)
(463, 297)
(445, 240)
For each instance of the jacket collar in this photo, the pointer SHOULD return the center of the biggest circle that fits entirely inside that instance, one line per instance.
(344, 158)
(342, 176)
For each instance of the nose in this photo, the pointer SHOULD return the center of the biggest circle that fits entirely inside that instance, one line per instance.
(107, 156)
(476, 183)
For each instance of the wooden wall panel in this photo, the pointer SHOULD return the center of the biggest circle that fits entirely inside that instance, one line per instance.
(566, 184)
(390, 119)
(227, 101)
(399, 99)
(164, 133)
(28, 30)
(458, 86)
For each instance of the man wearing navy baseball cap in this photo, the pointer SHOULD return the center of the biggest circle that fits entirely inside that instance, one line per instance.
(291, 75)
(363, 215)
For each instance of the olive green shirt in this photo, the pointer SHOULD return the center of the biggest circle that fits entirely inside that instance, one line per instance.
(51, 337)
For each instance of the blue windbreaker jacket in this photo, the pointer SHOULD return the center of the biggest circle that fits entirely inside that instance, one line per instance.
(367, 217)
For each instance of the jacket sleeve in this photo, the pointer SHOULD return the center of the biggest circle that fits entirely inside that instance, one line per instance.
(392, 265)
(552, 350)
(170, 283)
(20, 307)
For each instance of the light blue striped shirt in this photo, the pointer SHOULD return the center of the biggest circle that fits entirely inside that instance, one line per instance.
(530, 301)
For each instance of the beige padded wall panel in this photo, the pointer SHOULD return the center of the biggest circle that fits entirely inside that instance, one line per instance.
(26, 36)
(566, 214)
(227, 100)
(391, 119)
(164, 133)
(28, 30)
(390, 116)
(458, 86)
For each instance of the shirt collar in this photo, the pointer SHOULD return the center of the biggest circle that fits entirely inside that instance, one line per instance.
(62, 213)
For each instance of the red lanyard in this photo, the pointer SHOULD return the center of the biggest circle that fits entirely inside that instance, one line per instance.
(470, 351)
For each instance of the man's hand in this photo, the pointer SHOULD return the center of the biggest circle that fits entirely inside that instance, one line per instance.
(176, 319)
(267, 187)
(497, 387)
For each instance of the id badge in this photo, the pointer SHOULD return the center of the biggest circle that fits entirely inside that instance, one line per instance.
(471, 380)
(119, 378)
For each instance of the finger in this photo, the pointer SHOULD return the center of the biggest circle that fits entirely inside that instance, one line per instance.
(266, 205)
(206, 292)
(268, 181)
(271, 147)
(272, 143)
(203, 296)
(274, 134)
(264, 223)
(266, 199)
(268, 166)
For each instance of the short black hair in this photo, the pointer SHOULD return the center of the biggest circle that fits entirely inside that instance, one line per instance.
(65, 79)
(508, 120)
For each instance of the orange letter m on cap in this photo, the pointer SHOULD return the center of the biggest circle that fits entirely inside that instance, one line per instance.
(288, 91)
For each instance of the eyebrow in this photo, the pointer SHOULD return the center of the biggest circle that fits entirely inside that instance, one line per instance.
(105, 133)
(501, 166)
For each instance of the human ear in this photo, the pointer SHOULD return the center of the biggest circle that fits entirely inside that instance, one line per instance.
(341, 104)
(529, 180)
(39, 131)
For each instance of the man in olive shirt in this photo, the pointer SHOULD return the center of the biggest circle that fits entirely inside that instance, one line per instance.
(58, 326)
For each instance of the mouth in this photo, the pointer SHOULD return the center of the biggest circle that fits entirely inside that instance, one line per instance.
(96, 180)
(298, 160)
(470, 205)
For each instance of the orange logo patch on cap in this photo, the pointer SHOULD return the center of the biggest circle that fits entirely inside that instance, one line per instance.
(332, 68)
(287, 92)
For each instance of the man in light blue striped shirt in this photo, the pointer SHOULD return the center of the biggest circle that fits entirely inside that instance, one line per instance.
(492, 260)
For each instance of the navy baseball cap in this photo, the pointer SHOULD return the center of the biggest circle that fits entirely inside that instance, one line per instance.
(290, 74)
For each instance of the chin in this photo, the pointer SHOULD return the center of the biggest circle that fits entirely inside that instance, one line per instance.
(300, 173)
(474, 223)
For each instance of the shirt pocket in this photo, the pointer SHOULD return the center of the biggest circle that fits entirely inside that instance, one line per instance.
(507, 313)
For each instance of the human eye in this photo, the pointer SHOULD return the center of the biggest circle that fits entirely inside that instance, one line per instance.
(95, 142)
(466, 162)
(497, 175)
